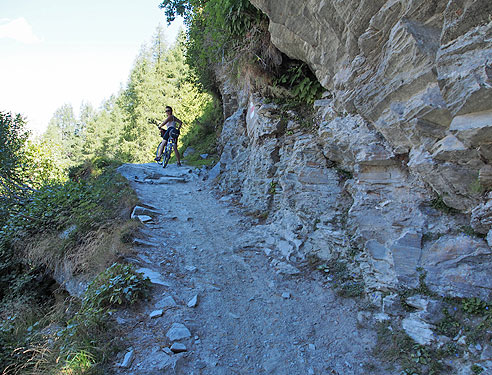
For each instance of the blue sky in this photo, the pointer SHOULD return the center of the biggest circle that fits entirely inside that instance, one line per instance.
(66, 51)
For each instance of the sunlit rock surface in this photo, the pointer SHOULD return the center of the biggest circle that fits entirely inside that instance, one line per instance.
(394, 174)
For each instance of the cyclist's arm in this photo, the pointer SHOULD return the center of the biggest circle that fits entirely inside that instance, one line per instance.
(179, 122)
(163, 123)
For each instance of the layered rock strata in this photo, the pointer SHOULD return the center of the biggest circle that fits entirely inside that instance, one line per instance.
(406, 121)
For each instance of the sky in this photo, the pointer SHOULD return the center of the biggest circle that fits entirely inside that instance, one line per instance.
(57, 52)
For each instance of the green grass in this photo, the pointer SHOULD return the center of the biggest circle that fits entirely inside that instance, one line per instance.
(345, 284)
(41, 335)
(396, 347)
(462, 317)
(439, 204)
(202, 137)
(71, 337)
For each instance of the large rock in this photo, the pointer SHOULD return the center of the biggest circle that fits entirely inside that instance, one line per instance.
(459, 266)
(481, 220)
(406, 121)
(418, 71)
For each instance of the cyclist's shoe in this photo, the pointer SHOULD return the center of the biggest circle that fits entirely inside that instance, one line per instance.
(178, 164)
(157, 159)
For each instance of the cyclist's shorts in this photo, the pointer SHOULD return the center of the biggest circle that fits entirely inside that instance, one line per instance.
(173, 132)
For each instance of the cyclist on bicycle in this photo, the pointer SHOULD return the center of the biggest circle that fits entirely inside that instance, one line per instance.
(173, 124)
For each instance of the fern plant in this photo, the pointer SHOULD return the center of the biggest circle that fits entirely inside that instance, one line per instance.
(302, 83)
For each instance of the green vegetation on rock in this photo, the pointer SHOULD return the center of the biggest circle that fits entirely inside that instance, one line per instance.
(234, 35)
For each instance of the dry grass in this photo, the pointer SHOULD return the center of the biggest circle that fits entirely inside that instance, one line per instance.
(42, 354)
(99, 249)
(46, 251)
(38, 361)
(64, 338)
(90, 255)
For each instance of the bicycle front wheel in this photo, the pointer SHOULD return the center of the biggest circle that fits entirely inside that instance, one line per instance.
(166, 156)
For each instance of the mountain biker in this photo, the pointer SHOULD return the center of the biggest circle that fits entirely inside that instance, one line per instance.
(173, 124)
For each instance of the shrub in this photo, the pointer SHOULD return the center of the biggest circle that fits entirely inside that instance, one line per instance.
(217, 30)
(119, 284)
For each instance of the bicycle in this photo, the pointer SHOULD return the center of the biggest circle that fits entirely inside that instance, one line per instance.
(168, 150)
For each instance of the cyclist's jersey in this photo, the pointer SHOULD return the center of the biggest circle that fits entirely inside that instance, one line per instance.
(172, 124)
(171, 129)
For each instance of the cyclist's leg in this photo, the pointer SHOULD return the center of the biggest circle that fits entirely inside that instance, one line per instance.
(159, 150)
(165, 137)
(176, 152)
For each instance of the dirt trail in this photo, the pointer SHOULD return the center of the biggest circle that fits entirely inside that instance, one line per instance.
(253, 314)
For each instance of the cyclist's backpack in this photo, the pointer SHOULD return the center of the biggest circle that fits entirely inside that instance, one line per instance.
(174, 133)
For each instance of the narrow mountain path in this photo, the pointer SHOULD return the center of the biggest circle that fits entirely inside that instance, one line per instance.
(221, 303)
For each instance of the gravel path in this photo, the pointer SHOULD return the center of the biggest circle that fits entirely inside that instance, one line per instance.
(253, 314)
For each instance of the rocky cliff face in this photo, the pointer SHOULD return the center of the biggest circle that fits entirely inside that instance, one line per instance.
(406, 120)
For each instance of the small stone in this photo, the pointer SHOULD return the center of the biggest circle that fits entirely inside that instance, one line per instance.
(166, 303)
(312, 347)
(127, 361)
(364, 318)
(418, 329)
(417, 301)
(286, 269)
(156, 314)
(144, 218)
(462, 340)
(178, 347)
(66, 233)
(167, 350)
(234, 316)
(193, 302)
(487, 353)
(391, 304)
(155, 277)
(190, 268)
(381, 317)
(286, 295)
(162, 361)
(178, 332)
